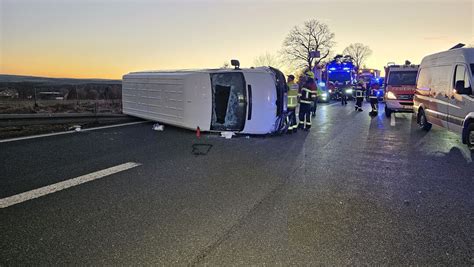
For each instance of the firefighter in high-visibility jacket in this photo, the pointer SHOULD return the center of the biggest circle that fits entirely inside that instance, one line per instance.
(373, 101)
(359, 91)
(292, 104)
(306, 103)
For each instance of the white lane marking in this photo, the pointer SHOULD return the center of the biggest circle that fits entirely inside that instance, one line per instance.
(392, 120)
(69, 132)
(49, 189)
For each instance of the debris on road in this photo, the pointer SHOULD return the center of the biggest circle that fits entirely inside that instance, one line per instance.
(201, 149)
(76, 128)
(158, 127)
(227, 135)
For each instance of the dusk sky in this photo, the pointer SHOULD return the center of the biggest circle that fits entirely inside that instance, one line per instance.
(106, 39)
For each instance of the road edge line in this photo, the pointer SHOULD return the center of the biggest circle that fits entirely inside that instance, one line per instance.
(68, 132)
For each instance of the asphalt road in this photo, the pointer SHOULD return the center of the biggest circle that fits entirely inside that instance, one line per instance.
(354, 190)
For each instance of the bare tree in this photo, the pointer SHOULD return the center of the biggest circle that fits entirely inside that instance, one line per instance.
(358, 52)
(268, 59)
(313, 35)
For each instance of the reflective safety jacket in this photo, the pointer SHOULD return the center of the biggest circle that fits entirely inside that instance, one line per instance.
(373, 93)
(359, 91)
(292, 95)
(307, 96)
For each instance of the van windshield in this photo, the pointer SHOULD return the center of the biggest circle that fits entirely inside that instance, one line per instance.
(402, 78)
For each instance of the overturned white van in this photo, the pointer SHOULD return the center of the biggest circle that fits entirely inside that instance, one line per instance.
(250, 101)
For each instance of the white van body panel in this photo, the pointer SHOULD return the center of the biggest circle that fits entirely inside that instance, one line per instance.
(162, 97)
(443, 106)
(185, 98)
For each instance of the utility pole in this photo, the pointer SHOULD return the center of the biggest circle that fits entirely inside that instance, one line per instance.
(36, 105)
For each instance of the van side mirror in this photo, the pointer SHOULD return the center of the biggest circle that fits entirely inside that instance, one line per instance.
(459, 86)
(461, 89)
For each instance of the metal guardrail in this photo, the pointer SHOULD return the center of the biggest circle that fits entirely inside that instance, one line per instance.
(61, 118)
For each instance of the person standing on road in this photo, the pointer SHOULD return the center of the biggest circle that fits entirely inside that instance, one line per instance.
(316, 93)
(292, 104)
(373, 101)
(306, 101)
(359, 95)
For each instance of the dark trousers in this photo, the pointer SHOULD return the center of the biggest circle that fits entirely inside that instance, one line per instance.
(305, 116)
(359, 101)
(343, 99)
(374, 103)
(314, 107)
(292, 122)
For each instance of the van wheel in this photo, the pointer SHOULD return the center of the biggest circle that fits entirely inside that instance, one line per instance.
(423, 122)
(470, 136)
(388, 112)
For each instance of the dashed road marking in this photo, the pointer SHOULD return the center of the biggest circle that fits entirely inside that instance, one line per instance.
(49, 189)
(392, 120)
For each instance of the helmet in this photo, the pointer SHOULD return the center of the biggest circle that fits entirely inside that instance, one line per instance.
(309, 74)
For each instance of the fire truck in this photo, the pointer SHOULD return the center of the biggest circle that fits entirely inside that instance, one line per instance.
(372, 77)
(400, 86)
(340, 77)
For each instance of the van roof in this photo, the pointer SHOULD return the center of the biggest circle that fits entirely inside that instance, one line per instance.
(191, 71)
(450, 56)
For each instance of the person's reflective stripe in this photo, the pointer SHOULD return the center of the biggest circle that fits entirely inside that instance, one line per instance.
(306, 90)
(305, 102)
(292, 101)
(372, 97)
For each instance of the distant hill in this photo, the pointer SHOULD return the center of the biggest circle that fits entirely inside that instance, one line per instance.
(54, 81)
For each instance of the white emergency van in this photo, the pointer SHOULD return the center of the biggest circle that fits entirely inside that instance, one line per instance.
(444, 94)
(250, 101)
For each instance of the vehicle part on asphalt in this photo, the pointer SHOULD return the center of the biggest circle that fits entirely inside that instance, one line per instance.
(201, 149)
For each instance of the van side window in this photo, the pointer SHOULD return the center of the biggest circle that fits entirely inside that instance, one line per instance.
(459, 74)
(467, 80)
(229, 101)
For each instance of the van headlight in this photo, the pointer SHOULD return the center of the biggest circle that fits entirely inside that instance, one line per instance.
(391, 95)
(348, 91)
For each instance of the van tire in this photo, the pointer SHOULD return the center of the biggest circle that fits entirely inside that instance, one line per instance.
(388, 112)
(422, 121)
(470, 136)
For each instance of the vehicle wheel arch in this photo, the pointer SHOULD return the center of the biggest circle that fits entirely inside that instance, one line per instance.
(468, 121)
(416, 112)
